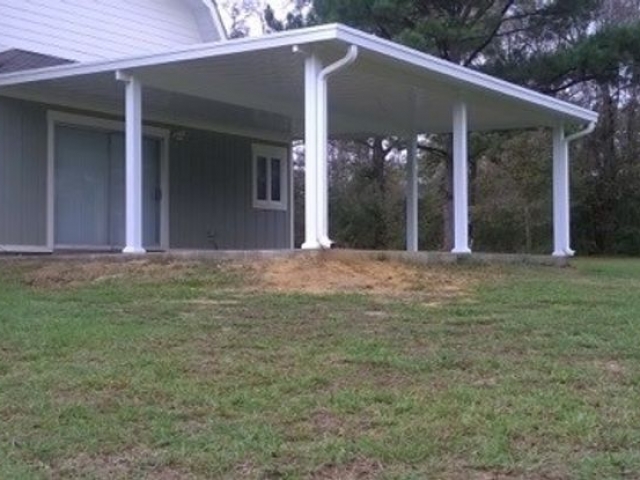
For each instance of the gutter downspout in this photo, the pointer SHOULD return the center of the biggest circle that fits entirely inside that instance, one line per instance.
(582, 133)
(576, 136)
(323, 138)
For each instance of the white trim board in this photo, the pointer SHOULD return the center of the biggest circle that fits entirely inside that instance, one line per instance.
(55, 118)
(24, 249)
(382, 49)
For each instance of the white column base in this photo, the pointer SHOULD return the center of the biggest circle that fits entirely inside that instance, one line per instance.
(564, 254)
(311, 246)
(134, 251)
(461, 251)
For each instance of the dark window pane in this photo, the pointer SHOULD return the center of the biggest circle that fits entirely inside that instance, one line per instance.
(276, 187)
(261, 177)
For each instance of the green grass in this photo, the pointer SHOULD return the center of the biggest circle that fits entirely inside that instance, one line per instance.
(535, 373)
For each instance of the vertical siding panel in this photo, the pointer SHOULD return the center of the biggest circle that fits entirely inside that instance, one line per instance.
(23, 173)
(197, 205)
(5, 198)
(31, 221)
(244, 201)
(216, 194)
(14, 184)
(212, 184)
(229, 200)
(175, 181)
(236, 204)
(220, 197)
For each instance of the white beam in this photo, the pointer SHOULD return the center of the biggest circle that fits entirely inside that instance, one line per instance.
(412, 195)
(460, 179)
(133, 164)
(312, 68)
(561, 200)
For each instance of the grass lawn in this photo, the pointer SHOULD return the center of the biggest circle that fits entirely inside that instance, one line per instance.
(169, 371)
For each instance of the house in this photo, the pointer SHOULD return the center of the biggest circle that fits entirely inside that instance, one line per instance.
(137, 125)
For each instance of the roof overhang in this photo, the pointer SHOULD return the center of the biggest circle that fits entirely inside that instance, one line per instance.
(391, 89)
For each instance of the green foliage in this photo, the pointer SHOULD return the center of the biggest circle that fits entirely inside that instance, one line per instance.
(458, 30)
(606, 56)
(367, 198)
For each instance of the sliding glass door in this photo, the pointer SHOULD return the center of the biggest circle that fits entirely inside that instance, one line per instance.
(90, 189)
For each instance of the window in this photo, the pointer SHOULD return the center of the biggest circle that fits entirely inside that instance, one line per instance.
(269, 177)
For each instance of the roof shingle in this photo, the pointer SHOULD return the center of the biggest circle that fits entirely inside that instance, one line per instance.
(15, 60)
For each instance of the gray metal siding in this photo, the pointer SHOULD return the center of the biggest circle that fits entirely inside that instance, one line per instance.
(23, 173)
(211, 203)
(210, 186)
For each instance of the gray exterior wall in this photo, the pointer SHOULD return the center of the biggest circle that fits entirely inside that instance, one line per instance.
(210, 179)
(23, 173)
(211, 196)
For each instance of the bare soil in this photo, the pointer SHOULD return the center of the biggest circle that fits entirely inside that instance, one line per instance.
(327, 275)
(360, 469)
(137, 463)
(60, 274)
(317, 275)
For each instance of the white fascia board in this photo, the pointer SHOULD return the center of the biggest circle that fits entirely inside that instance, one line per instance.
(461, 74)
(289, 38)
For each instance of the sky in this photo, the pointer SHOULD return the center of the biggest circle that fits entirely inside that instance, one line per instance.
(253, 22)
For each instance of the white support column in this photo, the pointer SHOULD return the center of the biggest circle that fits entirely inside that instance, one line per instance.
(412, 195)
(322, 158)
(561, 202)
(133, 164)
(312, 69)
(460, 179)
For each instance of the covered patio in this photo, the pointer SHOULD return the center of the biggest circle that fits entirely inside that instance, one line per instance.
(309, 84)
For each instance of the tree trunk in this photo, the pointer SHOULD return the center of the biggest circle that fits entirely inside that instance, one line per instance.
(378, 173)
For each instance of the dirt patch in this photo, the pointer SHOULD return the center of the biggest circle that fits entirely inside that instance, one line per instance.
(51, 275)
(360, 469)
(325, 423)
(311, 274)
(326, 275)
(135, 463)
(611, 367)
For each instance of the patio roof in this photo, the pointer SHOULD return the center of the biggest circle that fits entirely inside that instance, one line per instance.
(390, 89)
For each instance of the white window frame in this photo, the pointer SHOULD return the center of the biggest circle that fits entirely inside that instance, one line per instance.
(269, 152)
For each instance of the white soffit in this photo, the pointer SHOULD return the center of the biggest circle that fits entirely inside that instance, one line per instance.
(390, 89)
